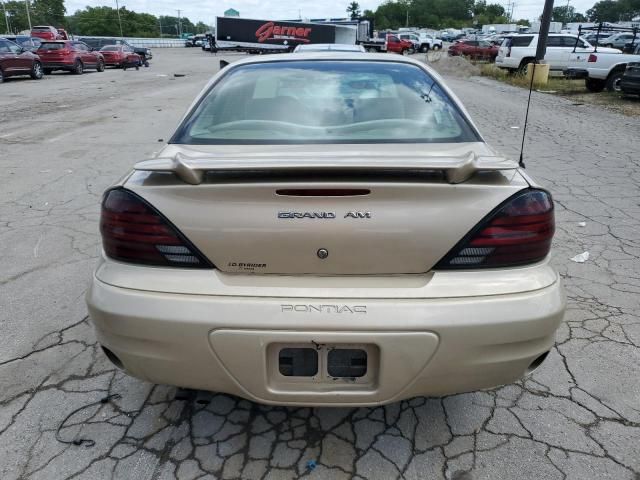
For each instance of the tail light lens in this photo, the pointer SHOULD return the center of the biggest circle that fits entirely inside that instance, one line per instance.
(135, 232)
(518, 232)
(592, 58)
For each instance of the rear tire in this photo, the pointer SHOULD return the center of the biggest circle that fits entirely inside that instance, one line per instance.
(424, 49)
(1, 76)
(36, 71)
(437, 47)
(594, 85)
(78, 68)
(613, 81)
(522, 68)
(100, 67)
(372, 50)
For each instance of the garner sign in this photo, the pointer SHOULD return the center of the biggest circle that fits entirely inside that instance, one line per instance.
(244, 30)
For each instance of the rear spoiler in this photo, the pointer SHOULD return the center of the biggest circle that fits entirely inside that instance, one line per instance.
(456, 169)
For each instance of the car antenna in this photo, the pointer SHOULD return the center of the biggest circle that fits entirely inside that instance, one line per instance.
(545, 21)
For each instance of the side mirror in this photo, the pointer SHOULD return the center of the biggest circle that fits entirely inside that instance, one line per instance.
(223, 63)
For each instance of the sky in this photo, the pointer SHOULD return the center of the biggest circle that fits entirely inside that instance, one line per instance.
(206, 11)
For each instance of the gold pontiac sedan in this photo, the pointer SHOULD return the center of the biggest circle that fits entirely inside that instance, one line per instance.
(327, 229)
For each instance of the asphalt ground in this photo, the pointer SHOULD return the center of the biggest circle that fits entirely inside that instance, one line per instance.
(66, 138)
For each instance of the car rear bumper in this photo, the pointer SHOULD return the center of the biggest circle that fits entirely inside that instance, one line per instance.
(416, 346)
(58, 65)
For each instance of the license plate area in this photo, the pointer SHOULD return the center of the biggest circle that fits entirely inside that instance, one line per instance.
(334, 365)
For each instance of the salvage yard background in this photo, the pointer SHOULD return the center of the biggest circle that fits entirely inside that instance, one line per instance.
(64, 139)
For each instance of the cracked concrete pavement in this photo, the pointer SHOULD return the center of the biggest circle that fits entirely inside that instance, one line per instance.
(65, 138)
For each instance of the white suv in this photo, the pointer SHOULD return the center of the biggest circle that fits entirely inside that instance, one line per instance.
(518, 50)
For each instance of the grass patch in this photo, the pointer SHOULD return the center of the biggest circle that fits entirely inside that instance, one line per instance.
(575, 90)
(558, 85)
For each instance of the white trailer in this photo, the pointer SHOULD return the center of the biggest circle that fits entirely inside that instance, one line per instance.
(554, 27)
(500, 28)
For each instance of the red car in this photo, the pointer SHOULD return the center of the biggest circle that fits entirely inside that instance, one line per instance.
(69, 55)
(396, 45)
(45, 32)
(121, 56)
(474, 49)
(15, 60)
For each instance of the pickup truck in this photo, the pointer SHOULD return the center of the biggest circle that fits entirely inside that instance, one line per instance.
(424, 42)
(389, 44)
(600, 70)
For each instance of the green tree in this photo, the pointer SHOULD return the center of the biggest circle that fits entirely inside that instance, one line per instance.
(353, 10)
(173, 25)
(566, 14)
(17, 16)
(104, 21)
(605, 11)
(523, 21)
(48, 12)
(202, 27)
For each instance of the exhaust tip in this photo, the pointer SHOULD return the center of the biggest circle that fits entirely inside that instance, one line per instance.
(533, 366)
(113, 358)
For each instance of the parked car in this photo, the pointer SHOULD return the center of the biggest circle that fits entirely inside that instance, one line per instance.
(422, 42)
(72, 56)
(16, 61)
(630, 81)
(120, 56)
(601, 69)
(396, 45)
(25, 41)
(98, 42)
(517, 51)
(195, 41)
(476, 49)
(619, 40)
(594, 38)
(452, 37)
(46, 32)
(411, 37)
(328, 47)
(334, 230)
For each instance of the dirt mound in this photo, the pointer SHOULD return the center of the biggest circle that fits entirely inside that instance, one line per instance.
(455, 66)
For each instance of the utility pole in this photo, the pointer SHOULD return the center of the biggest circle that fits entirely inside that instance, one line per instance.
(6, 18)
(160, 24)
(179, 24)
(26, 3)
(407, 21)
(119, 19)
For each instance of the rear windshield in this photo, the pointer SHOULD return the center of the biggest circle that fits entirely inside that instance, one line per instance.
(325, 102)
(41, 29)
(111, 48)
(519, 41)
(52, 46)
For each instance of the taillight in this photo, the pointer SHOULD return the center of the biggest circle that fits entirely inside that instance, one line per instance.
(592, 58)
(135, 232)
(518, 232)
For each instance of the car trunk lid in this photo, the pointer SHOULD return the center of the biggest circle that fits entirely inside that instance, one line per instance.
(326, 209)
